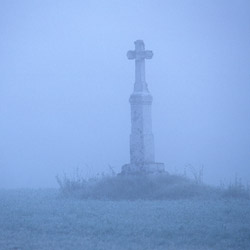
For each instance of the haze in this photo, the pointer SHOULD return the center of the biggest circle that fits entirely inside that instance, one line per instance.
(65, 82)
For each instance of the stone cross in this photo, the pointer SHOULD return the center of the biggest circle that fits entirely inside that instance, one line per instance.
(139, 55)
(142, 158)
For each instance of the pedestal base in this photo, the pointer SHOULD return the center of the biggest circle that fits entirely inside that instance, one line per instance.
(146, 168)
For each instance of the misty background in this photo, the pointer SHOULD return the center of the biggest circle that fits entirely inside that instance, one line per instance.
(65, 82)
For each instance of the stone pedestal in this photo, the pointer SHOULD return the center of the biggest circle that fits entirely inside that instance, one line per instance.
(146, 168)
(142, 158)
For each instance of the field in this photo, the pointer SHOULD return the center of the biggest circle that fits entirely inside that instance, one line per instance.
(42, 219)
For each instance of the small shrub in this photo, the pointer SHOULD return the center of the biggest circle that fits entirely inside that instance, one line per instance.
(236, 190)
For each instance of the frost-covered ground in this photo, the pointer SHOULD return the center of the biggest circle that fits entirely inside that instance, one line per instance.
(42, 220)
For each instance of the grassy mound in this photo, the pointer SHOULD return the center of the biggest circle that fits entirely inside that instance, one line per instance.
(133, 187)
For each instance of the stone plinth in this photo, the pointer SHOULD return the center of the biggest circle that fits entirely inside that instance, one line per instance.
(146, 168)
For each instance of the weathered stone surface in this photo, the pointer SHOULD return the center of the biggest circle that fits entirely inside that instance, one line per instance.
(142, 158)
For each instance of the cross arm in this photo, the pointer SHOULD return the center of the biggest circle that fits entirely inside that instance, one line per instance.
(140, 55)
(131, 55)
(148, 54)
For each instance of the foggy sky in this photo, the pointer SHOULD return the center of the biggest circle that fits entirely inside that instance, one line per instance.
(65, 82)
